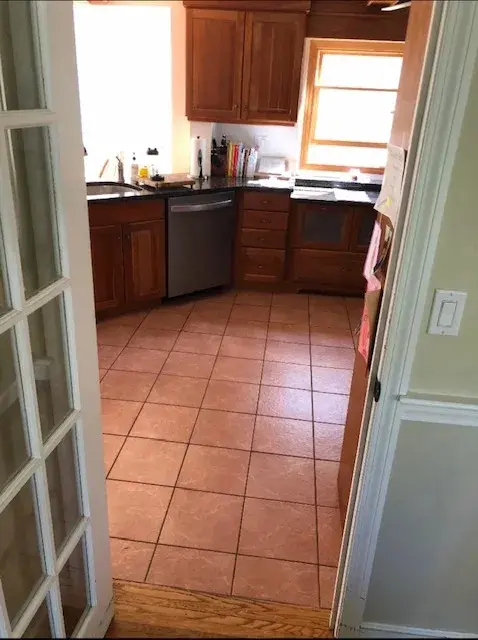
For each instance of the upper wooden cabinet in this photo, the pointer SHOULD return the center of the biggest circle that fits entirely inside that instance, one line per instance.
(214, 53)
(243, 66)
(272, 62)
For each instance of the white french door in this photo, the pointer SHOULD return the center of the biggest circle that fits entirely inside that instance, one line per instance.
(55, 577)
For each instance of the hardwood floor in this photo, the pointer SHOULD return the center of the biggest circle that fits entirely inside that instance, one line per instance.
(144, 611)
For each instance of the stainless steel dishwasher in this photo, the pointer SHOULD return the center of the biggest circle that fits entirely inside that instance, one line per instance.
(200, 242)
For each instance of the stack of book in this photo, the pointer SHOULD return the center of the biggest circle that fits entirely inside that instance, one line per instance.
(241, 160)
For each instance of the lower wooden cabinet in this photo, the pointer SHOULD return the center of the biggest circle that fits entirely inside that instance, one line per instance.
(261, 265)
(328, 271)
(128, 254)
(144, 260)
(107, 262)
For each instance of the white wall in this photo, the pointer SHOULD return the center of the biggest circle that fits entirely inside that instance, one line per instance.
(425, 571)
(273, 140)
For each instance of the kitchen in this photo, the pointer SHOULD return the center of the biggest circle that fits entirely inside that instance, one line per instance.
(241, 393)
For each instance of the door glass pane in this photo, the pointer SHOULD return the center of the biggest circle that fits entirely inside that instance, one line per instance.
(20, 555)
(4, 293)
(50, 362)
(73, 589)
(62, 489)
(19, 52)
(35, 207)
(39, 626)
(14, 448)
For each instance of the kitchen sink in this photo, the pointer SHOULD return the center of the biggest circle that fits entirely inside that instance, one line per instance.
(108, 188)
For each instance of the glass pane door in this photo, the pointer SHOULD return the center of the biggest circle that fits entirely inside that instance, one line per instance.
(54, 556)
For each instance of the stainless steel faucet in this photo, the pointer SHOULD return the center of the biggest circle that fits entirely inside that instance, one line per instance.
(120, 169)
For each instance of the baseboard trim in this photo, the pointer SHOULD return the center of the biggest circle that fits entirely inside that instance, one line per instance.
(377, 630)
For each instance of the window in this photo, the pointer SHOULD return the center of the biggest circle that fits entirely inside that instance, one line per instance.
(351, 94)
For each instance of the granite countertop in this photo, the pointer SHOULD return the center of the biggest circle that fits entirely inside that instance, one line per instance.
(343, 192)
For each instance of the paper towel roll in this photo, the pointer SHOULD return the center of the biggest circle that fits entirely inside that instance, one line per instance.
(197, 144)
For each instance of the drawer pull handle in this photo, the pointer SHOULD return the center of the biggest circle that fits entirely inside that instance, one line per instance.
(261, 239)
(265, 202)
(265, 221)
(260, 266)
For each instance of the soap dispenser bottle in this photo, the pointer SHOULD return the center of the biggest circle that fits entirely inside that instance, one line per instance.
(134, 170)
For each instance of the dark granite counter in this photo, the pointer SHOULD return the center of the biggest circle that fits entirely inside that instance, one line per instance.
(338, 192)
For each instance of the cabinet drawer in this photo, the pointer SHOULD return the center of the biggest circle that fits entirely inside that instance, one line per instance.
(268, 238)
(265, 220)
(319, 267)
(266, 201)
(261, 265)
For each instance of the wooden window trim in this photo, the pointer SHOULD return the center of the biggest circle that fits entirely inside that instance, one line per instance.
(318, 46)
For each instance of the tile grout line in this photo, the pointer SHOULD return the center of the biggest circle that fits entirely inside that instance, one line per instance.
(184, 455)
(229, 553)
(248, 470)
(218, 446)
(175, 487)
(315, 469)
(219, 493)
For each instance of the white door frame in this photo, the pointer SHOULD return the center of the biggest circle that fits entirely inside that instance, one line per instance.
(448, 69)
(56, 42)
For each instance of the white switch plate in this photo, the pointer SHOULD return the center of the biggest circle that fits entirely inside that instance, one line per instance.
(447, 311)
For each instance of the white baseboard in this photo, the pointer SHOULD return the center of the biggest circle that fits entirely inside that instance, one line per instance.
(377, 630)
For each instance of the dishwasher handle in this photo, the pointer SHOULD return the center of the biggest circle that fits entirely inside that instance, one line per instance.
(207, 206)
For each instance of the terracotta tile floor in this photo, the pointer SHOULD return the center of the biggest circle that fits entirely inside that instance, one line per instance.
(223, 422)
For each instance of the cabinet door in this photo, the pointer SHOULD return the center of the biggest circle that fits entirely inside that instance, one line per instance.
(272, 63)
(363, 223)
(145, 260)
(107, 261)
(214, 51)
(322, 226)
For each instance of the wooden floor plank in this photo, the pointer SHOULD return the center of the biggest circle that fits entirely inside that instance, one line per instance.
(145, 611)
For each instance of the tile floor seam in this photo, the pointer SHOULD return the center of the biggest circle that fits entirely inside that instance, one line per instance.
(184, 455)
(222, 493)
(245, 487)
(315, 473)
(229, 553)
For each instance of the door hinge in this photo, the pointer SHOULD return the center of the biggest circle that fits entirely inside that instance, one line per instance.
(377, 389)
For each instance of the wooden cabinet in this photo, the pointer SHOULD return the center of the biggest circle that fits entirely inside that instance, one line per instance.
(262, 238)
(322, 226)
(329, 243)
(272, 63)
(214, 53)
(243, 66)
(144, 260)
(107, 263)
(128, 253)
(263, 266)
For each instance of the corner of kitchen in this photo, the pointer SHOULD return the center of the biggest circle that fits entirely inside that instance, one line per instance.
(231, 202)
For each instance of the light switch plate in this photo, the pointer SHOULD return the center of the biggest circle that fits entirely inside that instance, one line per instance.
(447, 311)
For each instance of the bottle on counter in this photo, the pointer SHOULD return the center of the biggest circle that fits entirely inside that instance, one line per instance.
(134, 170)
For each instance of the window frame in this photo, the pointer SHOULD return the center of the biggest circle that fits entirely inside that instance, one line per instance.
(347, 47)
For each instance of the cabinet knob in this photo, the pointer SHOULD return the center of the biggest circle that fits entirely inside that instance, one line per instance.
(261, 239)
(260, 266)
(235, 107)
